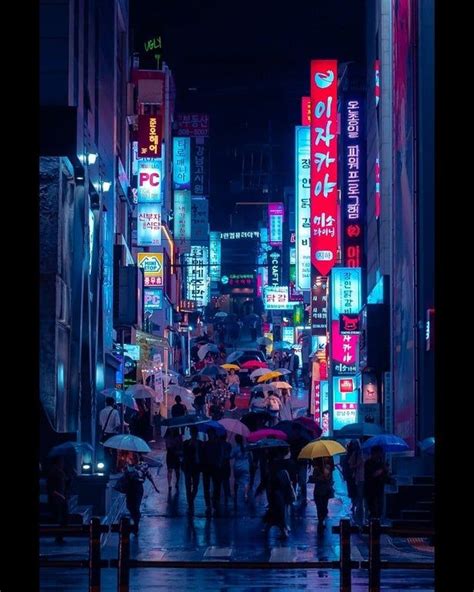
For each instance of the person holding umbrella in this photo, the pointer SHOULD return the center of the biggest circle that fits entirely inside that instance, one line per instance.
(376, 475)
(135, 473)
(192, 453)
(233, 384)
(323, 488)
(174, 444)
(57, 493)
(241, 468)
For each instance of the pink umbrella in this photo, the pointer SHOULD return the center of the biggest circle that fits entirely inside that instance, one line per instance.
(267, 433)
(254, 364)
(310, 424)
(234, 426)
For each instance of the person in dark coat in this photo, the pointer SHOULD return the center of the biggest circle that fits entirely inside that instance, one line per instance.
(212, 462)
(56, 484)
(323, 488)
(280, 493)
(225, 473)
(178, 409)
(348, 473)
(174, 444)
(192, 454)
(376, 475)
(135, 473)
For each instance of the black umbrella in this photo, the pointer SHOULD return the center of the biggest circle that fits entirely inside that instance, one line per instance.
(255, 420)
(184, 420)
(295, 431)
(359, 430)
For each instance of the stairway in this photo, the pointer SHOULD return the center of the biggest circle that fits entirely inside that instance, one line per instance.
(77, 514)
(412, 505)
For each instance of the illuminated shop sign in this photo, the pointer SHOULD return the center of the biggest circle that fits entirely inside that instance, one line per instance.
(215, 256)
(149, 136)
(182, 163)
(182, 219)
(152, 264)
(149, 225)
(346, 291)
(276, 298)
(275, 223)
(345, 403)
(153, 298)
(149, 180)
(303, 208)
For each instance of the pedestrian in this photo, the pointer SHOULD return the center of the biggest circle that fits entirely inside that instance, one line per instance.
(212, 461)
(376, 475)
(241, 467)
(280, 494)
(233, 384)
(135, 473)
(178, 409)
(109, 419)
(286, 412)
(225, 472)
(56, 486)
(257, 401)
(199, 401)
(348, 473)
(274, 406)
(356, 463)
(174, 447)
(293, 365)
(323, 488)
(192, 453)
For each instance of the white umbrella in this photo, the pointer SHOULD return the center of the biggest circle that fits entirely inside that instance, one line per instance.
(259, 372)
(120, 397)
(205, 349)
(180, 390)
(141, 391)
(127, 442)
(283, 370)
(221, 313)
(172, 373)
(169, 380)
(264, 341)
(234, 356)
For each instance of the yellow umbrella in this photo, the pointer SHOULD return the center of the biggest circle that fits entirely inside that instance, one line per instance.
(230, 366)
(320, 448)
(268, 376)
(280, 384)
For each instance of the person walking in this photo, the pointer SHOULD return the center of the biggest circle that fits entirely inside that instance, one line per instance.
(241, 468)
(199, 401)
(286, 412)
(280, 494)
(348, 473)
(174, 447)
(356, 464)
(212, 462)
(225, 472)
(233, 384)
(135, 473)
(109, 419)
(178, 409)
(323, 488)
(376, 475)
(56, 486)
(273, 407)
(192, 454)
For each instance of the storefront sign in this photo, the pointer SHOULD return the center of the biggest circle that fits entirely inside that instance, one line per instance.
(182, 219)
(275, 223)
(152, 264)
(345, 404)
(344, 352)
(149, 180)
(303, 207)
(276, 298)
(182, 163)
(199, 219)
(240, 235)
(197, 275)
(149, 136)
(324, 165)
(274, 268)
(148, 225)
(324, 422)
(192, 125)
(199, 167)
(346, 291)
(153, 298)
(319, 305)
(215, 256)
(306, 111)
(349, 324)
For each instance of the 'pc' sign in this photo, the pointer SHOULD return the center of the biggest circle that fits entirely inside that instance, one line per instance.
(149, 180)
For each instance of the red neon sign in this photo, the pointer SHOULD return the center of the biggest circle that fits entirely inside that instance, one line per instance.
(305, 110)
(324, 225)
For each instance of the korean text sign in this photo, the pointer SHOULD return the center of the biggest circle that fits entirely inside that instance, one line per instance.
(215, 255)
(344, 352)
(324, 165)
(275, 223)
(182, 163)
(346, 291)
(306, 111)
(197, 275)
(153, 298)
(182, 219)
(303, 207)
(148, 225)
(276, 298)
(345, 404)
(149, 136)
(152, 264)
(149, 180)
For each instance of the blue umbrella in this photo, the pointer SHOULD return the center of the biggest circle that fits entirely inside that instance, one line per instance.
(212, 371)
(69, 448)
(389, 443)
(427, 445)
(268, 443)
(219, 428)
(359, 430)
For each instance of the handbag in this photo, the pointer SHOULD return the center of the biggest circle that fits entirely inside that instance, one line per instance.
(103, 437)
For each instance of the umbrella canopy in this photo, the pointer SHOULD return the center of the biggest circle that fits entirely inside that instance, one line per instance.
(268, 443)
(201, 378)
(205, 349)
(264, 341)
(265, 388)
(141, 391)
(234, 356)
(267, 433)
(359, 430)
(255, 364)
(295, 431)
(221, 313)
(121, 397)
(69, 448)
(259, 372)
(282, 370)
(172, 373)
(184, 420)
(389, 443)
(230, 367)
(268, 376)
(210, 424)
(213, 371)
(281, 385)
(427, 445)
(180, 390)
(281, 345)
(255, 420)
(310, 424)
(234, 426)
(321, 448)
(127, 442)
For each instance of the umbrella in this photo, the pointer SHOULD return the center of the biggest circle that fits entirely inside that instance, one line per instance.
(230, 366)
(259, 372)
(310, 424)
(184, 420)
(264, 341)
(120, 397)
(180, 390)
(268, 376)
(127, 442)
(321, 448)
(295, 431)
(205, 349)
(268, 443)
(255, 420)
(234, 356)
(167, 380)
(221, 313)
(141, 391)
(359, 430)
(283, 370)
(69, 448)
(282, 345)
(172, 373)
(201, 378)
(279, 384)
(263, 387)
(212, 370)
(267, 433)
(234, 426)
(211, 424)
(389, 443)
(255, 364)
(427, 445)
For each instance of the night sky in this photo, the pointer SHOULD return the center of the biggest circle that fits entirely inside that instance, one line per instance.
(249, 62)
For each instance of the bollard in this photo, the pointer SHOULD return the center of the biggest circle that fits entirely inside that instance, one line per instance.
(345, 584)
(94, 555)
(374, 555)
(123, 580)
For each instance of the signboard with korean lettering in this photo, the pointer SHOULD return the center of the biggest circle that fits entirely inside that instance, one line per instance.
(306, 111)
(315, 394)
(344, 352)
(274, 267)
(192, 125)
(324, 395)
(349, 324)
(148, 225)
(303, 207)
(152, 264)
(324, 192)
(150, 180)
(319, 305)
(288, 334)
(346, 291)
(215, 254)
(354, 180)
(149, 136)
(197, 275)
(240, 235)
(275, 223)
(153, 298)
(276, 298)
(199, 219)
(199, 166)
(182, 163)
(182, 220)
(346, 402)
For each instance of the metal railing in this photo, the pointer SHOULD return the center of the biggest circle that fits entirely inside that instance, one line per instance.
(123, 563)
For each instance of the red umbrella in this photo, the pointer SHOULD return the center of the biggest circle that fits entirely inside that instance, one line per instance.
(310, 424)
(267, 433)
(254, 364)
